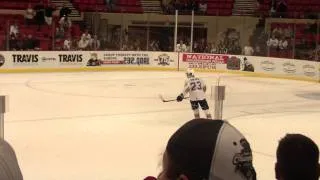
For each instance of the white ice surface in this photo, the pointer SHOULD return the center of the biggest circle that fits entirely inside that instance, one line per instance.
(112, 125)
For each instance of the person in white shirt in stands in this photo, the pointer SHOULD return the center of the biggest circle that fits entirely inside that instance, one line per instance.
(65, 22)
(181, 47)
(247, 50)
(283, 43)
(86, 35)
(213, 48)
(83, 43)
(203, 7)
(67, 44)
(14, 29)
(273, 42)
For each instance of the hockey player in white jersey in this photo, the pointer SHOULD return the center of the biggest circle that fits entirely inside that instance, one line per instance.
(196, 89)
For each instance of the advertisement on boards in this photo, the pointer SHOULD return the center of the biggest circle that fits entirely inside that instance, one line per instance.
(309, 70)
(21, 59)
(125, 58)
(203, 61)
(31, 59)
(133, 59)
(71, 59)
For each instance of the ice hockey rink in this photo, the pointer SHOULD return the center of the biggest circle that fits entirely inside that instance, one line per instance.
(113, 126)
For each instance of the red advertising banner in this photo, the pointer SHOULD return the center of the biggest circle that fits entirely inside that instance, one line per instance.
(214, 58)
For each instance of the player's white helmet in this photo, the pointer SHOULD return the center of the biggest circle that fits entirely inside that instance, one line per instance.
(190, 73)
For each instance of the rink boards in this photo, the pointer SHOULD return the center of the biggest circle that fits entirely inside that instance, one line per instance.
(71, 61)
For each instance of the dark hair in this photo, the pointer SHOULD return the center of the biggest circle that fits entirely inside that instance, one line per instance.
(297, 158)
(190, 149)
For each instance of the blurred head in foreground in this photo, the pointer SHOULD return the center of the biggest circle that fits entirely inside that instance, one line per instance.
(9, 167)
(205, 149)
(297, 158)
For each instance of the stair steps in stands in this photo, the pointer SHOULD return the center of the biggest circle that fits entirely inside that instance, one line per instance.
(244, 7)
(151, 6)
(74, 12)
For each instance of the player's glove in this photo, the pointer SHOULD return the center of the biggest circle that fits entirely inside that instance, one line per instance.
(180, 98)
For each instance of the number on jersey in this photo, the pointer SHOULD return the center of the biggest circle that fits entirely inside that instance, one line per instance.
(196, 85)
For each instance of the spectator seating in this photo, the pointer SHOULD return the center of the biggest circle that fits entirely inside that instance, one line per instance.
(17, 4)
(296, 8)
(90, 5)
(45, 35)
(127, 6)
(220, 7)
(301, 36)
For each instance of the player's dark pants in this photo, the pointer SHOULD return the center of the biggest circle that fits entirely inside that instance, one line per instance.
(203, 104)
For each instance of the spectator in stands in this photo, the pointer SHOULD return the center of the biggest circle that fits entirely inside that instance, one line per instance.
(64, 11)
(193, 5)
(30, 43)
(203, 7)
(258, 51)
(315, 54)
(177, 5)
(103, 43)
(124, 47)
(195, 47)
(273, 42)
(277, 32)
(83, 43)
(67, 44)
(207, 149)
(20, 42)
(13, 43)
(65, 23)
(95, 43)
(137, 45)
(248, 50)
(59, 33)
(202, 45)
(39, 18)
(165, 6)
(110, 4)
(86, 35)
(235, 48)
(9, 166)
(29, 14)
(181, 47)
(273, 8)
(48, 13)
(283, 44)
(297, 158)
(282, 8)
(14, 29)
(213, 48)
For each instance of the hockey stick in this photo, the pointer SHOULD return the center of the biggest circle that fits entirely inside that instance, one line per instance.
(168, 100)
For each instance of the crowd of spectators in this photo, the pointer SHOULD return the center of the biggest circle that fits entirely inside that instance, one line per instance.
(184, 6)
(228, 42)
(40, 15)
